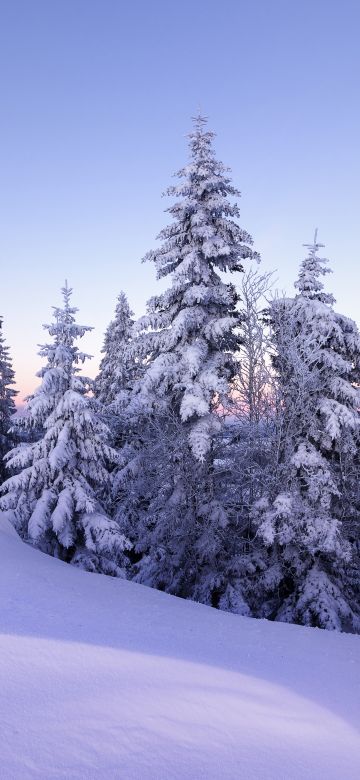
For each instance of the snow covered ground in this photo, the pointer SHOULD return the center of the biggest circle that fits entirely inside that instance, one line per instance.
(101, 678)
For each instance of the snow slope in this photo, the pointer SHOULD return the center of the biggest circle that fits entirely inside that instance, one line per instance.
(101, 678)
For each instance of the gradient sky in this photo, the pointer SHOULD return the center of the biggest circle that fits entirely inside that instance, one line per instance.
(96, 98)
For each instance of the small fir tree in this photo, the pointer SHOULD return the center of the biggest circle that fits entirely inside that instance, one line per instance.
(7, 402)
(317, 362)
(53, 497)
(116, 371)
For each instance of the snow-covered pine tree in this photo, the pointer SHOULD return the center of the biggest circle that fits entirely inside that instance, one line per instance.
(116, 371)
(317, 362)
(189, 330)
(169, 491)
(52, 499)
(7, 402)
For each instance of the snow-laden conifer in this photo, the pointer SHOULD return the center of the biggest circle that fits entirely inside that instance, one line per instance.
(189, 331)
(7, 402)
(53, 496)
(317, 362)
(116, 370)
(170, 488)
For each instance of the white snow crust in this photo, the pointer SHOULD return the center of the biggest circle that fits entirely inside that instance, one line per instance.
(103, 678)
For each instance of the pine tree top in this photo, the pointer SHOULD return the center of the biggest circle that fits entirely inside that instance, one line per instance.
(7, 375)
(204, 234)
(120, 327)
(312, 269)
(115, 370)
(62, 352)
(189, 335)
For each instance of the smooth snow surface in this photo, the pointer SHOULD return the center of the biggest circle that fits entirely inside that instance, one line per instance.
(101, 678)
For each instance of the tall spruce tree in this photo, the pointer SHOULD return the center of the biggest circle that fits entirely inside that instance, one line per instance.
(169, 489)
(7, 402)
(302, 523)
(53, 497)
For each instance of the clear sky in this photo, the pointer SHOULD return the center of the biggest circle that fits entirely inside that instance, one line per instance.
(95, 103)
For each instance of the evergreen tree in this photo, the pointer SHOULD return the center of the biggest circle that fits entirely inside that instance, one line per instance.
(53, 496)
(7, 403)
(190, 329)
(116, 372)
(317, 362)
(169, 488)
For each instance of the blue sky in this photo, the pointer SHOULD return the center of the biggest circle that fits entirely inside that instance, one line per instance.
(96, 101)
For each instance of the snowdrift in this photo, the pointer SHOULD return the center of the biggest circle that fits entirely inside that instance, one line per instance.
(101, 678)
